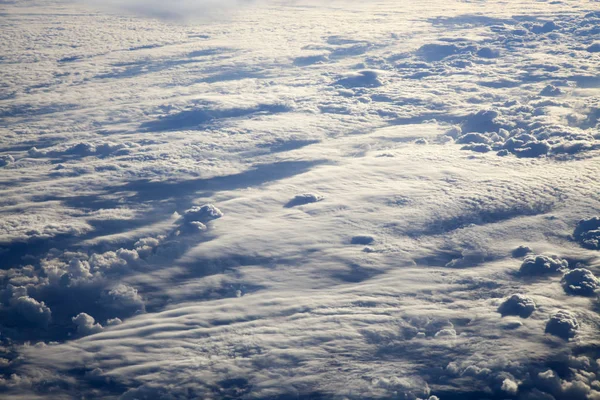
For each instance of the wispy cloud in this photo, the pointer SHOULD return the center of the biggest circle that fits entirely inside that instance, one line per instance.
(175, 10)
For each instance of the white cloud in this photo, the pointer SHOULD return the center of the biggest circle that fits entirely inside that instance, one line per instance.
(86, 325)
(174, 10)
(359, 235)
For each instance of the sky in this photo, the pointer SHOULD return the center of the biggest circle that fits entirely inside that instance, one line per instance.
(300, 199)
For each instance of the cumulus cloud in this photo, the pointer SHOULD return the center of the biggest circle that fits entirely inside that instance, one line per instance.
(86, 325)
(562, 324)
(587, 233)
(580, 281)
(510, 387)
(29, 309)
(124, 299)
(109, 130)
(204, 214)
(542, 264)
(518, 304)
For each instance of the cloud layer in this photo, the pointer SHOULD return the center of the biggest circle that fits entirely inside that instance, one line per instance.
(342, 200)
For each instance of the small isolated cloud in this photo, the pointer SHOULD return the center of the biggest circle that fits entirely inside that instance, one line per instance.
(541, 264)
(562, 324)
(86, 325)
(580, 281)
(203, 214)
(302, 199)
(517, 304)
(509, 386)
(587, 233)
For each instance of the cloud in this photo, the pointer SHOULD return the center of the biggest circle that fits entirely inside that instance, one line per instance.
(587, 233)
(580, 281)
(562, 324)
(6, 159)
(121, 277)
(302, 199)
(30, 310)
(541, 264)
(175, 10)
(518, 304)
(204, 214)
(521, 251)
(366, 79)
(510, 386)
(86, 325)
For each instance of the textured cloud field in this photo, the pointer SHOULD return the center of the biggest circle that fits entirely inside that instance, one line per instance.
(300, 200)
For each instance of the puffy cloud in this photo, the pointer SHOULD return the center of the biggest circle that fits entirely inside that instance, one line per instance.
(29, 309)
(79, 269)
(483, 121)
(551, 90)
(124, 299)
(509, 386)
(203, 214)
(86, 325)
(542, 264)
(85, 149)
(194, 220)
(587, 233)
(518, 304)
(208, 102)
(562, 324)
(580, 281)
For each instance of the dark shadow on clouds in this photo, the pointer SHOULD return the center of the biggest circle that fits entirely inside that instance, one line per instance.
(195, 118)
